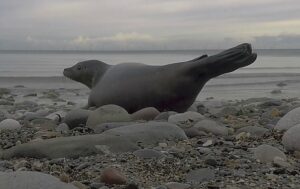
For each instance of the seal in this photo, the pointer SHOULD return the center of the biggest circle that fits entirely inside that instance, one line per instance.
(171, 87)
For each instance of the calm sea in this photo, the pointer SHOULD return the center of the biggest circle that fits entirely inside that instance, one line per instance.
(51, 63)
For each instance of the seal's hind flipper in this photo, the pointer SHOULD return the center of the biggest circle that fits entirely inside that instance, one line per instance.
(223, 62)
(198, 58)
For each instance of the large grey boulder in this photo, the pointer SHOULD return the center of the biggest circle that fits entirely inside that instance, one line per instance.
(149, 133)
(9, 124)
(186, 119)
(148, 154)
(145, 114)
(27, 104)
(200, 175)
(107, 126)
(177, 185)
(254, 131)
(164, 116)
(289, 120)
(28, 116)
(76, 118)
(56, 116)
(107, 113)
(266, 153)
(211, 126)
(291, 138)
(118, 140)
(32, 180)
(43, 124)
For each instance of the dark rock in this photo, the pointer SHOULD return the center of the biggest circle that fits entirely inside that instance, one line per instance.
(26, 104)
(77, 118)
(270, 103)
(29, 116)
(118, 140)
(4, 91)
(266, 153)
(30, 95)
(194, 132)
(107, 126)
(211, 162)
(291, 138)
(185, 120)
(276, 91)
(9, 124)
(281, 84)
(32, 180)
(145, 114)
(43, 124)
(112, 176)
(56, 116)
(164, 115)
(177, 185)
(148, 154)
(131, 186)
(279, 171)
(106, 114)
(253, 130)
(213, 127)
(200, 175)
(289, 120)
(6, 102)
(97, 185)
(62, 128)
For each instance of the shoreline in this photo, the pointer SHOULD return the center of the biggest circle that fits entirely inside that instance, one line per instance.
(228, 75)
(227, 87)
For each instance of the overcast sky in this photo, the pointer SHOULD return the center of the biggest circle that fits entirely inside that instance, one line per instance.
(148, 24)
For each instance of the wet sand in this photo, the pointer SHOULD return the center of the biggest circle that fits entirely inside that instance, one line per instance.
(226, 87)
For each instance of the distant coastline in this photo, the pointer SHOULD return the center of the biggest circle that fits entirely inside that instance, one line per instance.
(279, 52)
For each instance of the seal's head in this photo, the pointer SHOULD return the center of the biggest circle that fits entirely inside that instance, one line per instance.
(86, 72)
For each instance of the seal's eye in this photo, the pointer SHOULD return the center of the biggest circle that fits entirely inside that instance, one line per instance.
(79, 67)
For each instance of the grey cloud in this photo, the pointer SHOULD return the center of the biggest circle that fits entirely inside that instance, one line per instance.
(283, 41)
(170, 24)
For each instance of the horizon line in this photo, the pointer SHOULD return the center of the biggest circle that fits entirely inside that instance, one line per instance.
(131, 50)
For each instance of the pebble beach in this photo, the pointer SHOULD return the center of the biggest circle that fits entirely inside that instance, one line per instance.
(249, 143)
(150, 94)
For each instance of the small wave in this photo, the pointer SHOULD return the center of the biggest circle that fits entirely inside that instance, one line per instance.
(254, 83)
(277, 76)
(270, 68)
(256, 75)
(36, 79)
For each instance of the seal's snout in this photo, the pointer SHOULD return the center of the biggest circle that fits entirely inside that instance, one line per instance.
(67, 72)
